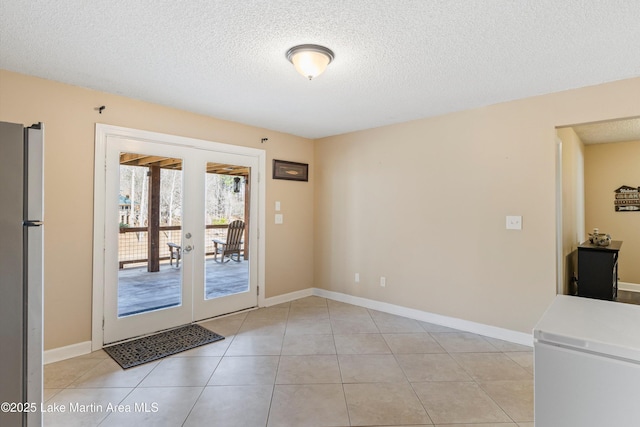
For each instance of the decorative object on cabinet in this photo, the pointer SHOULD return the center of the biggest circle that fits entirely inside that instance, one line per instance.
(290, 170)
(627, 199)
(598, 270)
(599, 239)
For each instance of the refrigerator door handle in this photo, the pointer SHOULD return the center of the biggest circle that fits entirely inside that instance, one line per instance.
(552, 339)
(32, 223)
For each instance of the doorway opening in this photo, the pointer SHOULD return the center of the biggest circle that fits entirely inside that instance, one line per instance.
(594, 161)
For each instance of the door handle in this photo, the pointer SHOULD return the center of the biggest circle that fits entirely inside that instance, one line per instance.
(188, 248)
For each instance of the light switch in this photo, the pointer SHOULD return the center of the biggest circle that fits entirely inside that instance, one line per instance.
(514, 222)
(279, 218)
(277, 206)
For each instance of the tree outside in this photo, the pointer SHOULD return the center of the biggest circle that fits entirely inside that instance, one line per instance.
(223, 205)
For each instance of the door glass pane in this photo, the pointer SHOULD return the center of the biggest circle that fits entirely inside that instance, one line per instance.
(226, 230)
(149, 239)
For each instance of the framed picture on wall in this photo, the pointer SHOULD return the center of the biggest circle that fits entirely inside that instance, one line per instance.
(290, 170)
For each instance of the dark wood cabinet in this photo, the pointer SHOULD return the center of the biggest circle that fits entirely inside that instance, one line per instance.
(598, 270)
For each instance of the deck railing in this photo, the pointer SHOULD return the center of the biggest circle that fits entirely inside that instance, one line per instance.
(133, 247)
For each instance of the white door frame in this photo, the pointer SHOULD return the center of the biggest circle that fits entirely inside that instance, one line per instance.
(559, 218)
(103, 132)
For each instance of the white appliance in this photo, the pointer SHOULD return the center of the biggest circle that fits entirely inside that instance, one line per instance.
(21, 273)
(587, 364)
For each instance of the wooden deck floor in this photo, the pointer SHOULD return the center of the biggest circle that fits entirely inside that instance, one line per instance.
(140, 291)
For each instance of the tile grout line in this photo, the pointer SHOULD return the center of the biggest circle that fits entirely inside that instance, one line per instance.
(380, 323)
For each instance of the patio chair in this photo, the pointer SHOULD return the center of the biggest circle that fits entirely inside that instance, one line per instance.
(233, 244)
(175, 252)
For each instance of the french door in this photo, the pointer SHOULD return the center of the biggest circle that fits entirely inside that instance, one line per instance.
(168, 259)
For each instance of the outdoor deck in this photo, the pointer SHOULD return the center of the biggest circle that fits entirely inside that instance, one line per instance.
(140, 291)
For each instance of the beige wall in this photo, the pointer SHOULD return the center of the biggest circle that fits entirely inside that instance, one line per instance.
(608, 167)
(424, 204)
(572, 204)
(69, 116)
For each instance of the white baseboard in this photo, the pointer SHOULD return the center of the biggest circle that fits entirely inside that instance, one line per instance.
(281, 299)
(424, 316)
(631, 287)
(82, 348)
(67, 352)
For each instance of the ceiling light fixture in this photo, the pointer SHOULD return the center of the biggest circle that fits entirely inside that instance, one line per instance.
(310, 59)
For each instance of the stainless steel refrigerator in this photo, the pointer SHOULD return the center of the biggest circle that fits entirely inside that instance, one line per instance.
(21, 273)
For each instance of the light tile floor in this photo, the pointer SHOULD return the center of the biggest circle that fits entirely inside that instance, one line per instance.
(311, 362)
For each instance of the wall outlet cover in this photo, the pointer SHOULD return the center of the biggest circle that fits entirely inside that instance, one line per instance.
(514, 222)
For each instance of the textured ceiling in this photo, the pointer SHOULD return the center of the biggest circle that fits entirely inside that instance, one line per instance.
(395, 60)
(612, 131)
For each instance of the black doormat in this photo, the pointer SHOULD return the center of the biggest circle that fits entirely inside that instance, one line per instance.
(153, 347)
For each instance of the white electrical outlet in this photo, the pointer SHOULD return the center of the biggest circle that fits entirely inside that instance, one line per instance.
(383, 281)
(514, 222)
(279, 219)
(357, 277)
(277, 206)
